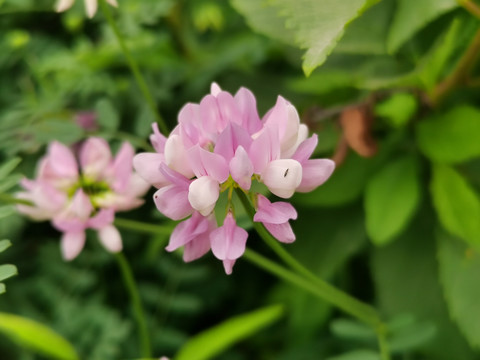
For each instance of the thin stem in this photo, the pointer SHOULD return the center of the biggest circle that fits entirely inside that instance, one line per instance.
(134, 67)
(312, 283)
(138, 312)
(460, 73)
(471, 7)
(143, 227)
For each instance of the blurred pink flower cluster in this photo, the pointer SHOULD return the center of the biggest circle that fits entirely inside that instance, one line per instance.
(78, 194)
(222, 144)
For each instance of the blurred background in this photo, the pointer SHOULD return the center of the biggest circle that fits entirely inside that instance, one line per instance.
(393, 102)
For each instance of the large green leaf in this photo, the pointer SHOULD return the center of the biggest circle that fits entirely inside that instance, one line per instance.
(413, 15)
(451, 137)
(7, 167)
(391, 198)
(460, 276)
(406, 282)
(457, 204)
(213, 341)
(309, 24)
(37, 337)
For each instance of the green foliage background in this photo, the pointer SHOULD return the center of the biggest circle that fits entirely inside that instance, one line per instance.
(399, 229)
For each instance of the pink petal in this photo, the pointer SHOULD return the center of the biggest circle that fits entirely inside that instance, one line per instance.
(212, 120)
(174, 177)
(241, 168)
(123, 166)
(229, 240)
(103, 218)
(74, 218)
(228, 266)
(157, 139)
(62, 161)
(315, 173)
(172, 201)
(230, 139)
(282, 177)
(176, 155)
(274, 213)
(147, 165)
(110, 238)
(205, 163)
(95, 157)
(305, 149)
(264, 149)
(228, 109)
(282, 232)
(187, 230)
(72, 244)
(189, 120)
(284, 118)
(247, 106)
(197, 247)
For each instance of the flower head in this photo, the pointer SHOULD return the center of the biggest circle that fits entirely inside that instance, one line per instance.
(219, 145)
(80, 194)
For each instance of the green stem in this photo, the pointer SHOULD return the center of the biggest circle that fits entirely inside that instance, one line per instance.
(471, 7)
(129, 281)
(143, 227)
(134, 67)
(461, 72)
(312, 283)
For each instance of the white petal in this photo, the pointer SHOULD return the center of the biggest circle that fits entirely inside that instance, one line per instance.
(282, 177)
(91, 7)
(203, 193)
(63, 5)
(110, 238)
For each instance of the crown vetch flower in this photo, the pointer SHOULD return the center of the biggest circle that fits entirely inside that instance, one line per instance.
(80, 194)
(221, 144)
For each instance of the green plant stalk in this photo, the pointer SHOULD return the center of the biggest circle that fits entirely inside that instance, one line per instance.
(461, 72)
(134, 67)
(143, 227)
(471, 7)
(128, 279)
(312, 283)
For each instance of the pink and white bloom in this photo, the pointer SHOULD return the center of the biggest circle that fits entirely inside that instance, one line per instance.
(90, 6)
(76, 195)
(222, 144)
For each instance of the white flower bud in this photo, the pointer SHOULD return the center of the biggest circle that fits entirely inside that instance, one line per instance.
(203, 194)
(282, 177)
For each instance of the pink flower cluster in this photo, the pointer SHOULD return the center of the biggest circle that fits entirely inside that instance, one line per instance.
(85, 193)
(222, 144)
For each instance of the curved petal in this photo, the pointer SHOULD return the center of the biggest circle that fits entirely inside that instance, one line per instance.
(157, 139)
(230, 139)
(205, 163)
(187, 230)
(274, 213)
(95, 157)
(172, 201)
(103, 218)
(72, 244)
(203, 194)
(264, 149)
(282, 177)
(305, 149)
(123, 166)
(91, 7)
(147, 165)
(247, 106)
(229, 240)
(61, 160)
(282, 232)
(241, 168)
(315, 173)
(110, 238)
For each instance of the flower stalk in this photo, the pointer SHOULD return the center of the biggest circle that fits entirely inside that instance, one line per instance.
(129, 281)
(134, 67)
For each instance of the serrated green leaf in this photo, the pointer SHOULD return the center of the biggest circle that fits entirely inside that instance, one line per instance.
(108, 116)
(36, 337)
(8, 167)
(313, 25)
(4, 244)
(213, 341)
(413, 15)
(459, 275)
(451, 137)
(391, 199)
(7, 271)
(397, 109)
(456, 203)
